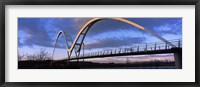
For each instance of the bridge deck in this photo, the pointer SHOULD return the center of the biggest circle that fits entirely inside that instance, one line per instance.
(172, 50)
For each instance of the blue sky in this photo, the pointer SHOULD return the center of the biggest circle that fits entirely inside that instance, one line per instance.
(36, 33)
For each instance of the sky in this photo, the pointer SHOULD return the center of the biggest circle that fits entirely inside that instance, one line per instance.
(37, 33)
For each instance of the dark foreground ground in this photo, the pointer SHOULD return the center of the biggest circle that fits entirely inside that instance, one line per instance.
(90, 65)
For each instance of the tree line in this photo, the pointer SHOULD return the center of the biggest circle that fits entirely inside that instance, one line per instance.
(42, 54)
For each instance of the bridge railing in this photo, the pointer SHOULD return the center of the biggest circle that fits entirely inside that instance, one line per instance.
(136, 48)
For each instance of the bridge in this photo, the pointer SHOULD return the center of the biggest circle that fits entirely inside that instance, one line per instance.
(166, 46)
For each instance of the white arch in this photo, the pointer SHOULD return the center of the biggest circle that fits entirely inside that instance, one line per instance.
(119, 19)
(66, 43)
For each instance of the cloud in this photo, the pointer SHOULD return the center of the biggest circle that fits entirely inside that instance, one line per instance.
(108, 26)
(113, 42)
(34, 32)
(161, 26)
(175, 28)
(20, 44)
(79, 22)
(135, 58)
(43, 31)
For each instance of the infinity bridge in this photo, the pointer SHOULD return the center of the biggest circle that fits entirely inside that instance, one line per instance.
(172, 46)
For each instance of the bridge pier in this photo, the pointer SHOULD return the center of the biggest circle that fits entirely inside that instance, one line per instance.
(178, 57)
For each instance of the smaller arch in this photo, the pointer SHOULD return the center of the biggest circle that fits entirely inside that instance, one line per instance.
(66, 42)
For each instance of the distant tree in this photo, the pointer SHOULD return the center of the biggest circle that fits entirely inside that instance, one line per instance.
(20, 56)
(31, 57)
(40, 55)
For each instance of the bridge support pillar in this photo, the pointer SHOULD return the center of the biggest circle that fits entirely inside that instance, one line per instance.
(178, 57)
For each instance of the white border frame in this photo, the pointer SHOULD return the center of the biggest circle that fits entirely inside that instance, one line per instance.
(187, 74)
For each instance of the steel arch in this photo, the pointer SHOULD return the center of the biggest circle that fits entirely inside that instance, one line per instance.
(67, 38)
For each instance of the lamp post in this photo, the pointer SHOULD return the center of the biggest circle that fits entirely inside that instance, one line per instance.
(83, 50)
